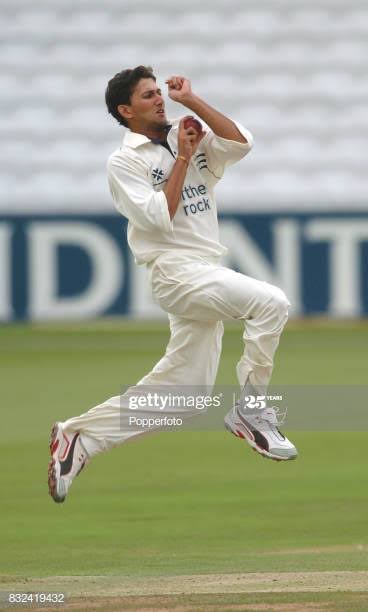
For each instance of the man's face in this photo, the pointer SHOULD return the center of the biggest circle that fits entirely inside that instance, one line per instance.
(147, 107)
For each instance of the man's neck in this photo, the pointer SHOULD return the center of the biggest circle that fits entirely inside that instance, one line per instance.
(159, 133)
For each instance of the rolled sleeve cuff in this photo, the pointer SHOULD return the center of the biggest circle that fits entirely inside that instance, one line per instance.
(247, 135)
(244, 132)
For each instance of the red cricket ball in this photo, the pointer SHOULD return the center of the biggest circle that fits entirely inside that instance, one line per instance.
(191, 122)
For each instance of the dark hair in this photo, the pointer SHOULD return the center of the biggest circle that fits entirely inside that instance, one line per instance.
(120, 88)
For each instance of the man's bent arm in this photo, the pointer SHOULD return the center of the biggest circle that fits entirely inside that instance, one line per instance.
(174, 185)
(180, 90)
(188, 140)
(220, 124)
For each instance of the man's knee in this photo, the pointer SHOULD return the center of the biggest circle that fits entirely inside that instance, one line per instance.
(275, 302)
(280, 302)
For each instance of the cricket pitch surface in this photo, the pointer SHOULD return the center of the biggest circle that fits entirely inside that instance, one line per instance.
(193, 592)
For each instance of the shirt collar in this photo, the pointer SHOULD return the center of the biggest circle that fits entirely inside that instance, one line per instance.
(134, 140)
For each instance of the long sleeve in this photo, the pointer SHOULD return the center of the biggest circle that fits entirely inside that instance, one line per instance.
(134, 196)
(222, 153)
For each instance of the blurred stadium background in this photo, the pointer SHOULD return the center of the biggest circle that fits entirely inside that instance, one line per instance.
(294, 212)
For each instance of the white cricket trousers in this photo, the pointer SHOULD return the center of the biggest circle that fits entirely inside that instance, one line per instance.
(198, 294)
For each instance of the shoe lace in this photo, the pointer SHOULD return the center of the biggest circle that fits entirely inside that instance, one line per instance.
(273, 415)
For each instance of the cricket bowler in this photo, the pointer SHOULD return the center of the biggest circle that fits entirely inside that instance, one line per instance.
(162, 179)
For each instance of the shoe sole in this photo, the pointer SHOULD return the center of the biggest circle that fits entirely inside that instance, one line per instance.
(258, 449)
(54, 465)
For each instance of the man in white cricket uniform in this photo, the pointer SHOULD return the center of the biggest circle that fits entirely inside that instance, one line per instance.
(162, 179)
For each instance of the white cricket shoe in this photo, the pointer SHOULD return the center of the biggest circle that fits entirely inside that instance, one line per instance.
(68, 458)
(260, 429)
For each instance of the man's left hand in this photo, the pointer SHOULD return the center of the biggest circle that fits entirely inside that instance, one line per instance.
(179, 89)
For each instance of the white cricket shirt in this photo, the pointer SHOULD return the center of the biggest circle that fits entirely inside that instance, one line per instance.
(137, 174)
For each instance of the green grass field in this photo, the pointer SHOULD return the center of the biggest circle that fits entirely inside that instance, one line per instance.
(178, 504)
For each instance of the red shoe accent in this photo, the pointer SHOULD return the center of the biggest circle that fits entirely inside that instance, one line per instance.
(67, 447)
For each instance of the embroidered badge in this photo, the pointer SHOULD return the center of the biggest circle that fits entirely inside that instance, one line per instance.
(157, 175)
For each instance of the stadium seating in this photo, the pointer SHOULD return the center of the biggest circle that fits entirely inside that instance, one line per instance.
(293, 72)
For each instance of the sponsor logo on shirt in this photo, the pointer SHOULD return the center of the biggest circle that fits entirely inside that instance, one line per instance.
(193, 203)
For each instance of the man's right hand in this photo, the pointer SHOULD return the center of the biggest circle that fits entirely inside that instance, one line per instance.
(188, 140)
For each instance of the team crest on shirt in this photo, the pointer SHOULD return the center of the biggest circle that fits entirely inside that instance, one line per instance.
(201, 161)
(157, 175)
